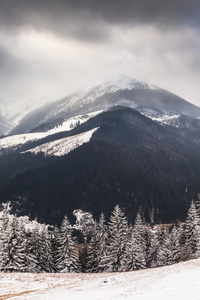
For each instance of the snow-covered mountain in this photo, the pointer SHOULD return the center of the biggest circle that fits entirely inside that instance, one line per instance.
(131, 142)
(125, 91)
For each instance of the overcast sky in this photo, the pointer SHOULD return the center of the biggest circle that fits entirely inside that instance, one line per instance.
(50, 48)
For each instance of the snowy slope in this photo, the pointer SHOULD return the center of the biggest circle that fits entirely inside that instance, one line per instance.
(73, 122)
(17, 140)
(14, 141)
(180, 281)
(63, 146)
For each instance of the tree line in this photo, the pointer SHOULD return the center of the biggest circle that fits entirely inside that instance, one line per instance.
(115, 246)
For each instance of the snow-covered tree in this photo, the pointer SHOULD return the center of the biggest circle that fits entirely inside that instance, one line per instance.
(152, 245)
(102, 237)
(133, 258)
(198, 205)
(117, 240)
(44, 250)
(67, 256)
(175, 237)
(92, 253)
(14, 248)
(54, 245)
(192, 229)
(136, 247)
(97, 248)
(33, 251)
(140, 235)
(169, 250)
(4, 230)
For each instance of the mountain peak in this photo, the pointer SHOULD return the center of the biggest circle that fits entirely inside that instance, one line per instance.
(123, 82)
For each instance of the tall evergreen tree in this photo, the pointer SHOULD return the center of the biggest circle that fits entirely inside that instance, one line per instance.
(133, 258)
(67, 257)
(33, 251)
(15, 248)
(192, 229)
(152, 245)
(102, 236)
(140, 235)
(169, 250)
(117, 239)
(4, 229)
(175, 237)
(54, 245)
(44, 249)
(198, 205)
(164, 252)
(97, 249)
(92, 253)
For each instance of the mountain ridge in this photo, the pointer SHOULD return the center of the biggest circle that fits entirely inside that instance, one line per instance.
(130, 160)
(138, 148)
(125, 91)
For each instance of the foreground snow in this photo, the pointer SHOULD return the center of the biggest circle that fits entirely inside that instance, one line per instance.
(180, 281)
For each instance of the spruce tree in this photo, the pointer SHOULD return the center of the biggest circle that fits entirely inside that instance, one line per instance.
(140, 237)
(117, 240)
(192, 229)
(44, 249)
(92, 253)
(133, 258)
(15, 248)
(102, 237)
(54, 245)
(97, 248)
(67, 257)
(33, 251)
(164, 254)
(152, 246)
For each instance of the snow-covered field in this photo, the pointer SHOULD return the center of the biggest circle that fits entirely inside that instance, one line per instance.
(180, 281)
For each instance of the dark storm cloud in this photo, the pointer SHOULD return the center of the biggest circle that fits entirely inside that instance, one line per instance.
(89, 19)
(70, 44)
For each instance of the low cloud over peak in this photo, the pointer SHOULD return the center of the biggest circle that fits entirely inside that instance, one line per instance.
(57, 47)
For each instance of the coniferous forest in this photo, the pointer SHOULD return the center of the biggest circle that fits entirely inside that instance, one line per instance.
(115, 246)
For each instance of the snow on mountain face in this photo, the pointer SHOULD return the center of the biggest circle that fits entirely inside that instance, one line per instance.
(100, 97)
(73, 122)
(126, 83)
(63, 146)
(159, 117)
(124, 91)
(88, 96)
(14, 141)
(166, 119)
